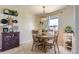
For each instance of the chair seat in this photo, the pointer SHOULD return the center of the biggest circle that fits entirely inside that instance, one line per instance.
(50, 41)
(49, 45)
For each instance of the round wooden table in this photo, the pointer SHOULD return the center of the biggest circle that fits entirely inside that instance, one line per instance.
(44, 39)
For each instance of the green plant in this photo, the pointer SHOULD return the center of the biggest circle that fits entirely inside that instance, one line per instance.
(69, 29)
(10, 12)
(44, 30)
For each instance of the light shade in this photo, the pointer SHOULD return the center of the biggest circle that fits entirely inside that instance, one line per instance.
(43, 19)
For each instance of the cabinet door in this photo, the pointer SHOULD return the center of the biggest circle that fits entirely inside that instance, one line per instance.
(6, 37)
(15, 39)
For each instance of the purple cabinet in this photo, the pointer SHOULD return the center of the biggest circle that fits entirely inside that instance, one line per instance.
(10, 40)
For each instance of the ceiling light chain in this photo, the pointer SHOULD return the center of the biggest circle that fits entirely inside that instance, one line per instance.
(43, 18)
(44, 10)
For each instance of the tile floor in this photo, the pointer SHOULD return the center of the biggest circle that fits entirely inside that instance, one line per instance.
(26, 49)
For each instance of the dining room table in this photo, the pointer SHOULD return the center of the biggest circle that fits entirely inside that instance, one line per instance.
(44, 39)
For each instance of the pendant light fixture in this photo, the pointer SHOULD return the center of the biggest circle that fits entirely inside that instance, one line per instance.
(43, 18)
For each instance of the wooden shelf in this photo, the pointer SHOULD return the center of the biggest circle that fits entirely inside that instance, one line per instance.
(69, 46)
(68, 37)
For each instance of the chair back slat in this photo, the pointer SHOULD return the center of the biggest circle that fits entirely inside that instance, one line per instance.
(34, 35)
(34, 32)
(56, 34)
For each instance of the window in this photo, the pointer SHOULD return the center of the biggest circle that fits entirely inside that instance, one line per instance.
(53, 24)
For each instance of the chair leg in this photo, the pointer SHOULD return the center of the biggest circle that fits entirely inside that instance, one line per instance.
(32, 47)
(58, 47)
(54, 49)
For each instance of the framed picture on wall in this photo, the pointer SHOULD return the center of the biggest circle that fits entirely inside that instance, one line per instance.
(5, 29)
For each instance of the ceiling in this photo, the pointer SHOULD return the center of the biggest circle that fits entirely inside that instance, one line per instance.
(34, 9)
(48, 9)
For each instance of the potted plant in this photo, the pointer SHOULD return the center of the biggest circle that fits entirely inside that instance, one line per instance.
(44, 31)
(68, 29)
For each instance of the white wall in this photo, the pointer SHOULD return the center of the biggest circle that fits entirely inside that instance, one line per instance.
(77, 29)
(26, 22)
(67, 17)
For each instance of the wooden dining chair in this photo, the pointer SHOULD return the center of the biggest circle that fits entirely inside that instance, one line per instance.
(54, 43)
(34, 33)
(36, 44)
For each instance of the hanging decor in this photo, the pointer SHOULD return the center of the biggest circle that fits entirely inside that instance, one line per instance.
(15, 21)
(4, 21)
(43, 17)
(10, 12)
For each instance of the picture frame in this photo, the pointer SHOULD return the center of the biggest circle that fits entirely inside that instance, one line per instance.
(5, 29)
